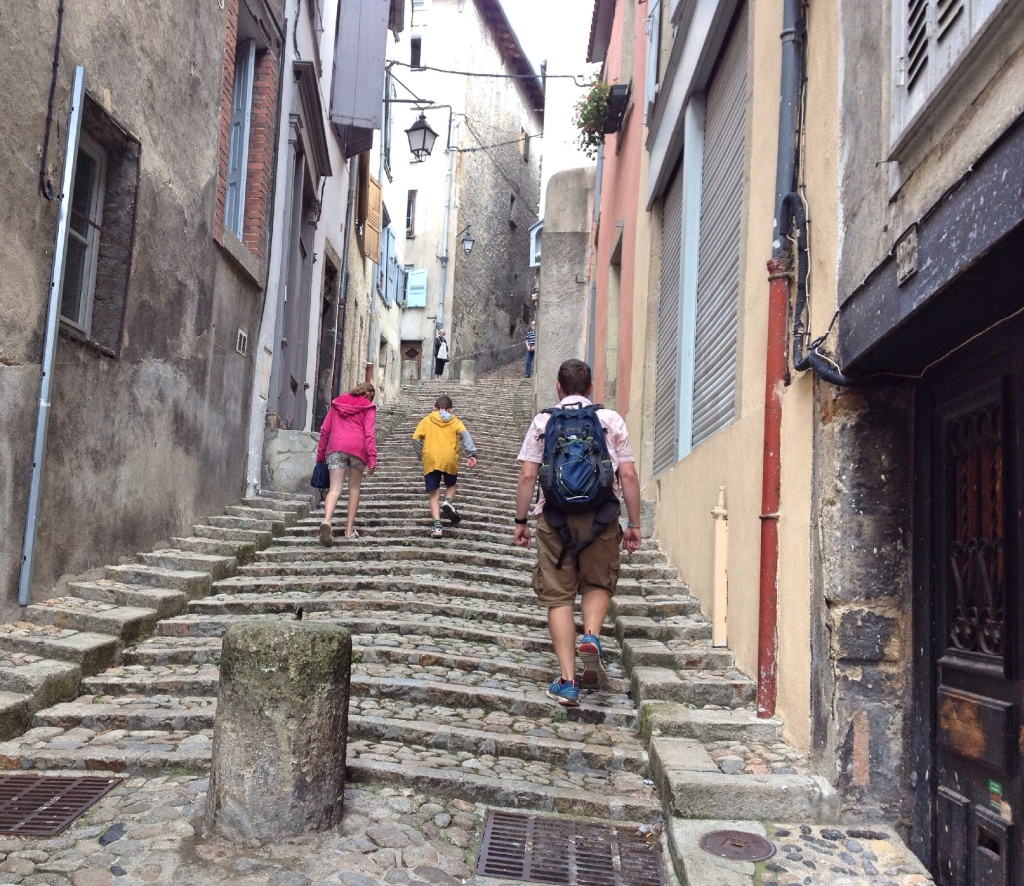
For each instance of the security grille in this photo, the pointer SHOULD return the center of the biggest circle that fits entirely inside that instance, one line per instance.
(42, 806)
(564, 852)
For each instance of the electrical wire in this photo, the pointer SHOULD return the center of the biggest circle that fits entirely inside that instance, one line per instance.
(46, 187)
(578, 79)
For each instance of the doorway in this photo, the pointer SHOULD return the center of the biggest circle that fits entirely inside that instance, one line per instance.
(968, 628)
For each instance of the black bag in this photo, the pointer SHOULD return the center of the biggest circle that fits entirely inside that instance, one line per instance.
(321, 478)
(576, 475)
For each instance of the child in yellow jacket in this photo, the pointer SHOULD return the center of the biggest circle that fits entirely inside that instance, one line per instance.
(438, 440)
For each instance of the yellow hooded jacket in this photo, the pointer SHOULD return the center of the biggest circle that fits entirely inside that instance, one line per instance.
(440, 433)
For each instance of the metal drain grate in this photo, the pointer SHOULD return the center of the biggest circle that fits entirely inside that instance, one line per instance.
(42, 805)
(539, 849)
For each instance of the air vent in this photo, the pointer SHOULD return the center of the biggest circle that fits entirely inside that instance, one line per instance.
(42, 806)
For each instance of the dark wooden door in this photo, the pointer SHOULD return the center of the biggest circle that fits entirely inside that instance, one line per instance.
(973, 451)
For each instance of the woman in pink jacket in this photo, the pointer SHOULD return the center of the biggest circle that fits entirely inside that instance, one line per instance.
(348, 439)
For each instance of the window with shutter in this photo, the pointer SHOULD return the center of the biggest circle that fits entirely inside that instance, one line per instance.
(238, 145)
(653, 27)
(666, 370)
(931, 38)
(371, 229)
(715, 340)
(416, 288)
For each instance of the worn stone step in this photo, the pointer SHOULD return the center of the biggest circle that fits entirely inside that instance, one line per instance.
(177, 681)
(240, 551)
(145, 713)
(165, 601)
(173, 651)
(119, 752)
(300, 498)
(681, 629)
(127, 623)
(674, 720)
(638, 653)
(92, 652)
(226, 521)
(437, 572)
(15, 713)
(192, 584)
(187, 561)
(286, 506)
(279, 518)
(44, 681)
(257, 538)
(651, 606)
(693, 786)
(699, 688)
(511, 793)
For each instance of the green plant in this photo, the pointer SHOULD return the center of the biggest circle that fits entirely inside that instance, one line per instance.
(591, 111)
(559, 716)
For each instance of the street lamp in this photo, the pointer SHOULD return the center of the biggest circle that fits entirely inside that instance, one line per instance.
(467, 241)
(421, 137)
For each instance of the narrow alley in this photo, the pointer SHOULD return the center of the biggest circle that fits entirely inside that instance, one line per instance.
(448, 713)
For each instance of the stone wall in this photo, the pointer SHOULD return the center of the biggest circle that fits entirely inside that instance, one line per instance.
(144, 438)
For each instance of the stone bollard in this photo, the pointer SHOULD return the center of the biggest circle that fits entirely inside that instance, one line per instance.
(280, 731)
(467, 371)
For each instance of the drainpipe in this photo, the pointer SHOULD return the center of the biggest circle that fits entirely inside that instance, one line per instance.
(339, 329)
(439, 324)
(777, 367)
(60, 248)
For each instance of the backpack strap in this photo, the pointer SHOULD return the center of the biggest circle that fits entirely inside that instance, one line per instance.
(607, 512)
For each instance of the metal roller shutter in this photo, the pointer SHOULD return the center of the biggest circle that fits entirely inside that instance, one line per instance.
(666, 372)
(714, 380)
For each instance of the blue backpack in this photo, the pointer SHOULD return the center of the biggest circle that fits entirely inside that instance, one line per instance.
(576, 474)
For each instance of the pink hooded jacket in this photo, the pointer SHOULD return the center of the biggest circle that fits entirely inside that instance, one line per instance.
(350, 426)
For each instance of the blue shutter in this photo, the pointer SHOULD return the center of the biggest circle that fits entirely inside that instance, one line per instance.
(416, 293)
(238, 146)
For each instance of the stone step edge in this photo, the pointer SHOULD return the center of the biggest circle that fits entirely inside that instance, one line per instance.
(675, 720)
(693, 787)
(511, 794)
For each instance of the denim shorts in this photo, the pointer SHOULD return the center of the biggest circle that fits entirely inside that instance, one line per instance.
(433, 480)
(338, 461)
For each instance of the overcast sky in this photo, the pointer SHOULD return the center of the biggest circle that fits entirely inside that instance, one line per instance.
(556, 30)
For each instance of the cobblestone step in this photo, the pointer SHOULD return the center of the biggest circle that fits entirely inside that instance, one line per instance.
(653, 606)
(697, 688)
(702, 656)
(674, 720)
(278, 518)
(299, 508)
(680, 628)
(127, 623)
(43, 681)
(166, 602)
(92, 652)
(15, 713)
(695, 787)
(187, 561)
(105, 714)
(192, 584)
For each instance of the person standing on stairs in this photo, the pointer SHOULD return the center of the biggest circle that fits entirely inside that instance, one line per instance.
(438, 440)
(441, 353)
(348, 438)
(590, 567)
(531, 347)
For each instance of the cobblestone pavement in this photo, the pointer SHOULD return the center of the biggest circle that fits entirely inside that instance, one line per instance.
(448, 712)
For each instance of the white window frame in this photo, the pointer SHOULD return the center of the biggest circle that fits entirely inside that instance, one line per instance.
(91, 240)
(238, 145)
(944, 62)
(536, 240)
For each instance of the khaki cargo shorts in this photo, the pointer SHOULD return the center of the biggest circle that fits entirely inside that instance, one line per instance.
(338, 461)
(598, 565)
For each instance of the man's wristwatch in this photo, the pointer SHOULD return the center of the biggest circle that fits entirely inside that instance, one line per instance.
(522, 522)
(632, 525)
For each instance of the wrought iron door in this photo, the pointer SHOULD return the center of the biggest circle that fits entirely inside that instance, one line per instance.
(976, 606)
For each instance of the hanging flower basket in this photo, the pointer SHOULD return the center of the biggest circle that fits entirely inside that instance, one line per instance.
(591, 112)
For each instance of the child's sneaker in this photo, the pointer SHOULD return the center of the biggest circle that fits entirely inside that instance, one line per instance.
(436, 531)
(448, 509)
(594, 675)
(326, 535)
(565, 692)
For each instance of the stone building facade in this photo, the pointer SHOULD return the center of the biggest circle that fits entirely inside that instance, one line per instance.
(150, 391)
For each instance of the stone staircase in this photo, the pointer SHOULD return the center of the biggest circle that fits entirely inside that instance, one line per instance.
(451, 657)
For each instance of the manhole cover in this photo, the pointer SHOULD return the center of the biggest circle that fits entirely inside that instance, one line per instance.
(739, 845)
(563, 852)
(42, 806)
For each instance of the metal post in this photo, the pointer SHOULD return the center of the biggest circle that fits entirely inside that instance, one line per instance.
(50, 341)
(444, 235)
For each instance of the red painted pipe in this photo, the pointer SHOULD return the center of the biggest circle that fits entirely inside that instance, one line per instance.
(369, 372)
(771, 485)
